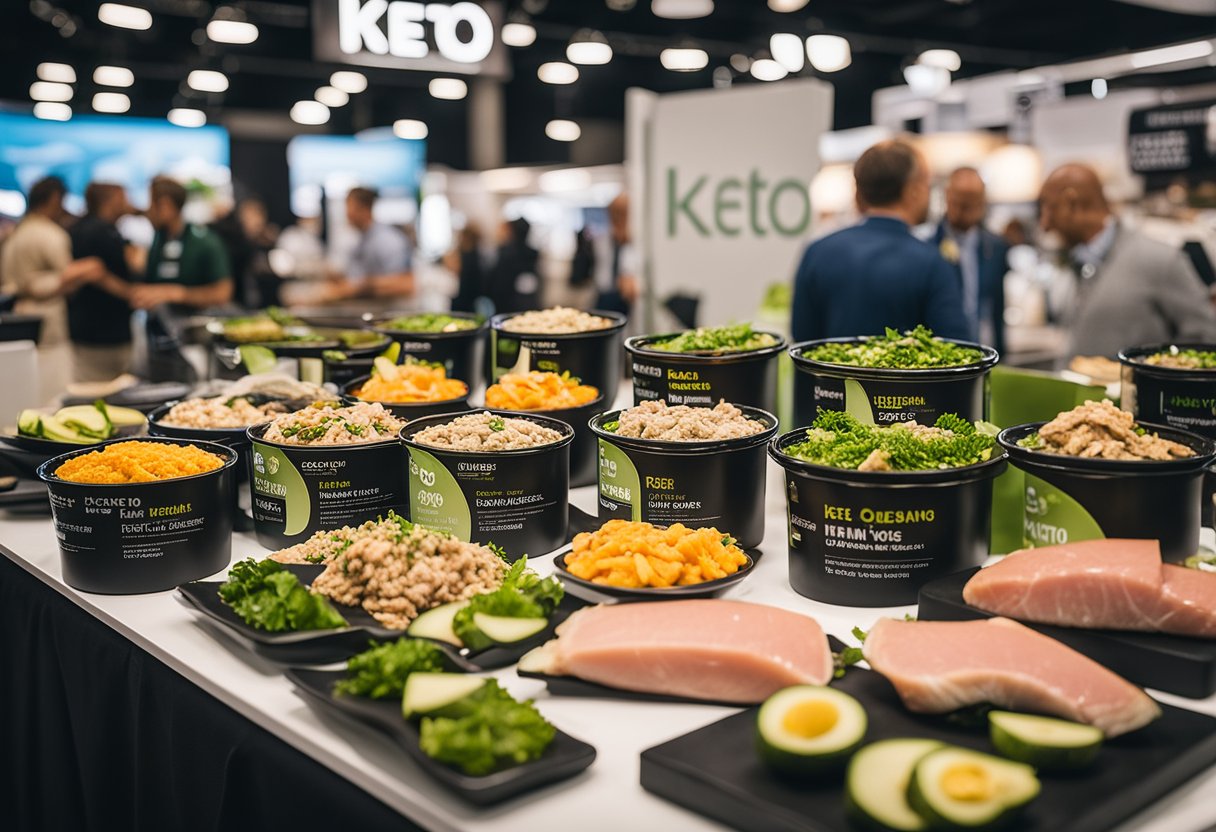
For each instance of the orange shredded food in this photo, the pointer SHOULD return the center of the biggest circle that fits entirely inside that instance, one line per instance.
(411, 382)
(125, 462)
(539, 391)
(630, 554)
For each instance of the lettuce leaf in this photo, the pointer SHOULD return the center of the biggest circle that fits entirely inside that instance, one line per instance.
(269, 597)
(523, 594)
(493, 731)
(380, 672)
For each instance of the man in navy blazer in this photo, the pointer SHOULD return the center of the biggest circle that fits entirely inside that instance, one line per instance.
(874, 275)
(979, 257)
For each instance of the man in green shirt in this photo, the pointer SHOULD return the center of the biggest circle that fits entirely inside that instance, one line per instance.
(187, 265)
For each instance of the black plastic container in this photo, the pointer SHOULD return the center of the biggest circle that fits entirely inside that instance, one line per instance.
(131, 538)
(411, 410)
(1181, 398)
(310, 355)
(702, 379)
(301, 489)
(719, 484)
(518, 500)
(873, 538)
(582, 449)
(883, 396)
(1069, 498)
(593, 357)
(459, 352)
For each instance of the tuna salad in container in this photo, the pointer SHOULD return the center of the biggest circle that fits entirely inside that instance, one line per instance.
(699, 466)
(454, 339)
(142, 515)
(734, 363)
(492, 475)
(1096, 472)
(877, 511)
(411, 390)
(559, 397)
(324, 466)
(587, 345)
(909, 376)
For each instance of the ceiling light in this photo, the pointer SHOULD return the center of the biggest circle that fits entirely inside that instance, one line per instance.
(49, 91)
(230, 26)
(348, 81)
(207, 80)
(113, 76)
(58, 73)
(740, 62)
(1098, 88)
(568, 179)
(828, 53)
(187, 117)
(309, 112)
(684, 59)
(589, 47)
(557, 72)
(52, 111)
(681, 9)
(787, 5)
(519, 35)
(410, 128)
(563, 130)
(788, 51)
(766, 69)
(448, 89)
(111, 102)
(331, 96)
(926, 81)
(946, 59)
(124, 17)
(1172, 54)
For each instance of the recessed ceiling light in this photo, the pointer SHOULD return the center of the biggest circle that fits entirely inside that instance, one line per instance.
(59, 73)
(519, 35)
(588, 47)
(1098, 88)
(187, 117)
(207, 80)
(828, 53)
(766, 69)
(946, 59)
(52, 111)
(926, 81)
(309, 112)
(563, 130)
(331, 96)
(681, 9)
(113, 76)
(348, 81)
(111, 102)
(788, 50)
(448, 89)
(123, 16)
(49, 91)
(684, 58)
(228, 30)
(740, 62)
(785, 6)
(410, 128)
(557, 72)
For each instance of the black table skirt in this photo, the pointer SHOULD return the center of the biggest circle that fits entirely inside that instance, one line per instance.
(97, 734)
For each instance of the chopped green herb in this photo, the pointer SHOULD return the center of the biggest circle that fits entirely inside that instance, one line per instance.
(430, 322)
(718, 339)
(497, 423)
(838, 440)
(915, 349)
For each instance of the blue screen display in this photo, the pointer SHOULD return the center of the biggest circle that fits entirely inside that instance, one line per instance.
(374, 159)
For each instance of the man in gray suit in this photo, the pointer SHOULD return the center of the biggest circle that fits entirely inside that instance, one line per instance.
(1130, 290)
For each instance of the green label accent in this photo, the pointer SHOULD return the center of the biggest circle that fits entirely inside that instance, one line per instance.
(510, 355)
(619, 479)
(856, 402)
(1052, 517)
(275, 476)
(436, 500)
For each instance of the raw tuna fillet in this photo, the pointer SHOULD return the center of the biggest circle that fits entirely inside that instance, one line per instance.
(723, 651)
(941, 666)
(1098, 584)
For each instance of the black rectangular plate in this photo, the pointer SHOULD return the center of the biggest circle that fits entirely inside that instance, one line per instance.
(716, 772)
(565, 756)
(325, 646)
(1174, 664)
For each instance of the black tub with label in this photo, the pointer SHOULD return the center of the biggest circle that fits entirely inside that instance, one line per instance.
(702, 379)
(130, 538)
(880, 396)
(582, 449)
(717, 483)
(459, 351)
(518, 500)
(1069, 498)
(1181, 397)
(873, 538)
(593, 357)
(300, 489)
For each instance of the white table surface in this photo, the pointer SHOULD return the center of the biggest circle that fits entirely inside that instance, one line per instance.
(605, 797)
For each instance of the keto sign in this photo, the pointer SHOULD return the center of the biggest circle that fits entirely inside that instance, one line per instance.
(732, 206)
(404, 32)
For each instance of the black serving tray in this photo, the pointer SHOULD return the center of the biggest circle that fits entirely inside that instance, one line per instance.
(564, 758)
(1174, 664)
(326, 646)
(716, 771)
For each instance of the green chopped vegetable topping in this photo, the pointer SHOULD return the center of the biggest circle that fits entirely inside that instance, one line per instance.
(838, 440)
(1184, 359)
(494, 731)
(497, 423)
(522, 594)
(915, 349)
(269, 597)
(380, 673)
(430, 322)
(718, 339)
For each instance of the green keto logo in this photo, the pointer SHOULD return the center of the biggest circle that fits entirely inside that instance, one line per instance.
(733, 206)
(1051, 517)
(856, 402)
(619, 479)
(436, 500)
(275, 476)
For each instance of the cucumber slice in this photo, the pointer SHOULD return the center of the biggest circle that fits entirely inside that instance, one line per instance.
(957, 788)
(433, 694)
(809, 729)
(86, 420)
(311, 370)
(124, 417)
(876, 785)
(381, 366)
(257, 359)
(1044, 742)
(436, 623)
(54, 428)
(29, 423)
(505, 630)
(392, 353)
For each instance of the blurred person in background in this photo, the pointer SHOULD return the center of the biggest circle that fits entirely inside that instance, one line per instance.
(379, 265)
(262, 236)
(99, 317)
(513, 283)
(237, 245)
(464, 261)
(616, 273)
(1127, 290)
(187, 265)
(873, 275)
(980, 257)
(36, 266)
